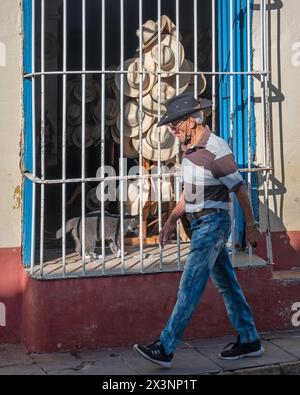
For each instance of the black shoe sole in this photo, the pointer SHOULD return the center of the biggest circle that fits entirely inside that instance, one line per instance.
(250, 354)
(160, 363)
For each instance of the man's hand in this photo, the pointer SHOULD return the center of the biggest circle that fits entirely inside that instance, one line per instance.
(253, 234)
(167, 232)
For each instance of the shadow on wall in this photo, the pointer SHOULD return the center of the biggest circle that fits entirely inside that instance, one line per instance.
(286, 244)
(277, 98)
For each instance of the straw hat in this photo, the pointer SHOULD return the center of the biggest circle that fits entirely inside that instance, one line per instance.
(111, 111)
(201, 81)
(91, 90)
(150, 31)
(150, 101)
(170, 27)
(128, 148)
(184, 79)
(131, 120)
(167, 91)
(168, 55)
(89, 136)
(74, 114)
(132, 205)
(132, 79)
(150, 144)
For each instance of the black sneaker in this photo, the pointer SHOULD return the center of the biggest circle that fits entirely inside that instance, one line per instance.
(155, 353)
(242, 350)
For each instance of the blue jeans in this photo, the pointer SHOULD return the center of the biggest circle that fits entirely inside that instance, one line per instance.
(208, 257)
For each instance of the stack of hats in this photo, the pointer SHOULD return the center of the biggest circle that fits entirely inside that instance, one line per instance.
(170, 55)
(93, 109)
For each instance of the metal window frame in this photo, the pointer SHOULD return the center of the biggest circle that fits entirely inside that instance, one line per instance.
(30, 75)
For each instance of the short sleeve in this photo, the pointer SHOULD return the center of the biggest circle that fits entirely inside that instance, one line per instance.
(225, 169)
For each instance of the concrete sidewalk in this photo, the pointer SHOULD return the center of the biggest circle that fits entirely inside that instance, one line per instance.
(282, 357)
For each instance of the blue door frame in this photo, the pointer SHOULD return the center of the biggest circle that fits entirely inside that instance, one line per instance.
(27, 104)
(240, 84)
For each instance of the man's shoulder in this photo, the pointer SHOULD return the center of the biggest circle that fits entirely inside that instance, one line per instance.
(218, 146)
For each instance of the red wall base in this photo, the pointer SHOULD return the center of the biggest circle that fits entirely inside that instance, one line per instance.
(112, 311)
(286, 250)
(11, 293)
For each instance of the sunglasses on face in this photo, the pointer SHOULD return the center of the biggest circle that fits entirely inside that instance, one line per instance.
(175, 128)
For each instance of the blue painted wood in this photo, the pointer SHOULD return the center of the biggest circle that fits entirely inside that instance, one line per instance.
(240, 62)
(27, 102)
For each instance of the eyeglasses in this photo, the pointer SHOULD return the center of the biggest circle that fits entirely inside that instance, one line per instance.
(175, 128)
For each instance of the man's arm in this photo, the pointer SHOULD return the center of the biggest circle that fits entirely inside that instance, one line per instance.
(245, 204)
(178, 210)
(252, 232)
(168, 229)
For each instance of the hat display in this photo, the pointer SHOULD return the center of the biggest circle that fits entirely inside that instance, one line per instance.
(151, 142)
(128, 148)
(201, 81)
(167, 91)
(89, 136)
(132, 79)
(168, 56)
(111, 111)
(150, 31)
(181, 106)
(74, 114)
(91, 91)
(132, 205)
(131, 125)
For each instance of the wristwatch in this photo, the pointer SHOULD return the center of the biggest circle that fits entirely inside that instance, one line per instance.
(254, 225)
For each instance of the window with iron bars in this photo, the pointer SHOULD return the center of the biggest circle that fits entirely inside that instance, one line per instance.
(97, 74)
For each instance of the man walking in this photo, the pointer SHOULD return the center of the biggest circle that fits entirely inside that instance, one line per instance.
(209, 174)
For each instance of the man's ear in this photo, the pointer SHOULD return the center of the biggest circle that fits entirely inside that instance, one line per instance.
(192, 123)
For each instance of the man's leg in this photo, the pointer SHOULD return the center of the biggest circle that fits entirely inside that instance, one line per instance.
(238, 310)
(205, 247)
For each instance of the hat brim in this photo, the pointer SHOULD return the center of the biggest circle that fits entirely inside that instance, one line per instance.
(167, 117)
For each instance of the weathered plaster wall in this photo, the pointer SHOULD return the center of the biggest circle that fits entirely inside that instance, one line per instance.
(10, 122)
(284, 57)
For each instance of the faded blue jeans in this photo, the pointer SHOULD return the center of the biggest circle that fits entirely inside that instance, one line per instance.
(208, 257)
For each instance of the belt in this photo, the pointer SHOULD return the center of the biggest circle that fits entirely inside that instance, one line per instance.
(197, 214)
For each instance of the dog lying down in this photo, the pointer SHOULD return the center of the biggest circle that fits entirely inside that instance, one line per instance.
(93, 232)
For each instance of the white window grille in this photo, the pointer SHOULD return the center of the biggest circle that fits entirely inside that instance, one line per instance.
(53, 63)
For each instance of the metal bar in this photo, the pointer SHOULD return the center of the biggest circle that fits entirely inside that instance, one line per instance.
(195, 48)
(121, 135)
(102, 154)
(116, 178)
(64, 110)
(81, 72)
(232, 123)
(268, 136)
(42, 219)
(249, 112)
(213, 12)
(32, 251)
(83, 77)
(177, 191)
(263, 120)
(140, 133)
(159, 130)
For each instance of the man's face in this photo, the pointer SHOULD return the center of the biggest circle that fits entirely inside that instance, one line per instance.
(179, 129)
